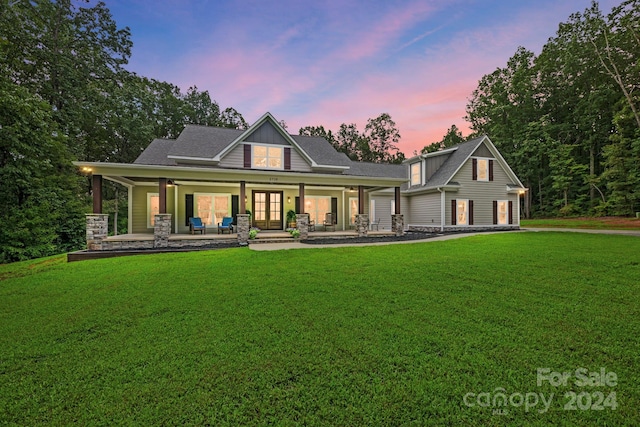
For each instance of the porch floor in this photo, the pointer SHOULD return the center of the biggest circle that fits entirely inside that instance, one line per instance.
(263, 235)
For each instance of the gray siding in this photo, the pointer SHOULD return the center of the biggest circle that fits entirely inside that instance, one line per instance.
(235, 159)
(383, 210)
(267, 134)
(482, 193)
(424, 209)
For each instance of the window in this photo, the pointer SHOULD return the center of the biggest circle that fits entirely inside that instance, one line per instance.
(483, 170)
(153, 208)
(211, 208)
(267, 157)
(462, 212)
(503, 216)
(416, 179)
(317, 207)
(353, 209)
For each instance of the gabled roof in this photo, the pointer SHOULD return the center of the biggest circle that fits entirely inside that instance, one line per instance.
(459, 154)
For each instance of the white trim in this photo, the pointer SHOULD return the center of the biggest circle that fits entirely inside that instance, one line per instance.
(195, 159)
(372, 211)
(438, 153)
(130, 210)
(506, 216)
(466, 208)
(175, 208)
(213, 207)
(419, 180)
(486, 169)
(267, 147)
(128, 168)
(518, 210)
(443, 210)
(149, 195)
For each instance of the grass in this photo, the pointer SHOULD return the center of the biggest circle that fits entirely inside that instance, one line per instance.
(392, 335)
(598, 223)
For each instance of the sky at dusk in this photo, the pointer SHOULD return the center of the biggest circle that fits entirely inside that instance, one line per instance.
(339, 61)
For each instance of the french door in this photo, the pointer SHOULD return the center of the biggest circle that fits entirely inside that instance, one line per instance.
(267, 210)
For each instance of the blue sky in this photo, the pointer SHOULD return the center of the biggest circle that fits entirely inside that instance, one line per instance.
(339, 61)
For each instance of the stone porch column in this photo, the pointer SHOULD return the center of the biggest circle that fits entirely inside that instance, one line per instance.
(362, 225)
(302, 224)
(397, 224)
(161, 230)
(97, 230)
(243, 227)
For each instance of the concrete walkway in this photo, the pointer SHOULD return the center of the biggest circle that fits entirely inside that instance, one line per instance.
(298, 245)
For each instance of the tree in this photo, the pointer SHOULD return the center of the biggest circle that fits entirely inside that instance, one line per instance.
(383, 137)
(40, 209)
(451, 138)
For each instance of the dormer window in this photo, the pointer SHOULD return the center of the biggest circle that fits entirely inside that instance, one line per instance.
(267, 157)
(415, 170)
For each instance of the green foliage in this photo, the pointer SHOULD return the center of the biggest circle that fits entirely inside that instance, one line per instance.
(451, 138)
(65, 93)
(40, 211)
(552, 115)
(377, 144)
(296, 338)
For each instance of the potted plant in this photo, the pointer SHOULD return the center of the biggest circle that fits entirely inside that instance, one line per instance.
(295, 233)
(291, 218)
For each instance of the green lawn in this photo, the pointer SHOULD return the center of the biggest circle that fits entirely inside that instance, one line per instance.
(392, 335)
(602, 223)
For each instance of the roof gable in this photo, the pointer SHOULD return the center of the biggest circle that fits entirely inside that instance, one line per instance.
(459, 155)
(267, 134)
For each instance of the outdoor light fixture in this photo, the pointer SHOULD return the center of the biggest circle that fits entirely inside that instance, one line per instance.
(288, 199)
(171, 183)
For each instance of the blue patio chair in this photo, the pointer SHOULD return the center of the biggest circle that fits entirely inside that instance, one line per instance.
(195, 224)
(226, 224)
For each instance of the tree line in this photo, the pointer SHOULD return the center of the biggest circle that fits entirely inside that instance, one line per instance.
(568, 120)
(65, 95)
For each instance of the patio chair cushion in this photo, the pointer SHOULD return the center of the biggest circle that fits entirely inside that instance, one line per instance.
(195, 224)
(226, 224)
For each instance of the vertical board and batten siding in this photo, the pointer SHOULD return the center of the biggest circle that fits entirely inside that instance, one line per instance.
(483, 193)
(432, 164)
(267, 134)
(424, 210)
(482, 151)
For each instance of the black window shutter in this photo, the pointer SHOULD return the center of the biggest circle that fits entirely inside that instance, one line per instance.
(188, 208)
(247, 155)
(235, 207)
(453, 212)
(297, 203)
(495, 212)
(470, 212)
(334, 209)
(287, 158)
(474, 169)
(510, 212)
(490, 170)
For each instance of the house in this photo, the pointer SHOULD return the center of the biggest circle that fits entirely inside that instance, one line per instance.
(212, 173)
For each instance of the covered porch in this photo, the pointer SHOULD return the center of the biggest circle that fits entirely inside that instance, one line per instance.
(161, 201)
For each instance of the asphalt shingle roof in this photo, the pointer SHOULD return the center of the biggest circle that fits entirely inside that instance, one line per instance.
(156, 153)
(203, 141)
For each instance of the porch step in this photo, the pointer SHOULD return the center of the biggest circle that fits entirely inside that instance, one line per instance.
(285, 239)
